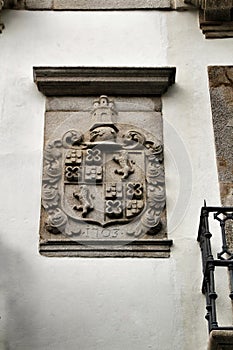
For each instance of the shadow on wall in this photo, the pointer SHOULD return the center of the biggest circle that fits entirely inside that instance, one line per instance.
(16, 311)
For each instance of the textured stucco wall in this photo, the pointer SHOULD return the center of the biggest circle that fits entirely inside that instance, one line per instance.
(104, 304)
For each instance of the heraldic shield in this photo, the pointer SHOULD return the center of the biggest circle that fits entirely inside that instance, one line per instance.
(101, 183)
(112, 174)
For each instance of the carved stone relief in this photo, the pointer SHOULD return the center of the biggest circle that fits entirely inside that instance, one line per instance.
(106, 180)
(103, 189)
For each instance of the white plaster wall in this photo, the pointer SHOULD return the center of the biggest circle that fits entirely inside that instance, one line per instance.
(88, 304)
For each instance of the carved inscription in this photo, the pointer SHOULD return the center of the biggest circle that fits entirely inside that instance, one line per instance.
(109, 175)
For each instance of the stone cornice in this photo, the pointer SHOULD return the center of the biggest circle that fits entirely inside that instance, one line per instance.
(76, 81)
(10, 3)
(216, 18)
(73, 5)
(221, 340)
(214, 10)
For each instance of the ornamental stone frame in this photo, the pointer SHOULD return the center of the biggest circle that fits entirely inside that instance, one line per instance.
(103, 188)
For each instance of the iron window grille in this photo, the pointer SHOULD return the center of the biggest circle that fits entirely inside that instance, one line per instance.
(224, 215)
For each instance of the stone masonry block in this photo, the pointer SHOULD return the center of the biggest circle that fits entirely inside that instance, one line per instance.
(39, 5)
(109, 4)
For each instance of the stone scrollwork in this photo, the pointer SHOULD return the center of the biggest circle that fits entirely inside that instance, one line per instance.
(72, 138)
(133, 139)
(56, 221)
(50, 188)
(150, 222)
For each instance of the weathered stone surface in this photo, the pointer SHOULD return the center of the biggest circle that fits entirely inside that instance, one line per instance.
(221, 340)
(179, 5)
(109, 4)
(14, 4)
(221, 93)
(214, 10)
(39, 5)
(103, 182)
(84, 104)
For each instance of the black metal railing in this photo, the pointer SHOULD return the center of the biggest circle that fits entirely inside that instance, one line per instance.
(224, 215)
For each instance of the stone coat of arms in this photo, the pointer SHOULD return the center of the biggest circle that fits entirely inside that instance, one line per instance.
(109, 176)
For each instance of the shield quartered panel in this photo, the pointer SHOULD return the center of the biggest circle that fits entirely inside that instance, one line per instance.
(101, 184)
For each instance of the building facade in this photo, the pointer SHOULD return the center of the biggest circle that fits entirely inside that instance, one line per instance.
(114, 302)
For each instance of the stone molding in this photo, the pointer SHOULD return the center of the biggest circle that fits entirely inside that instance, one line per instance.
(221, 340)
(10, 4)
(72, 81)
(95, 4)
(215, 10)
(216, 20)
